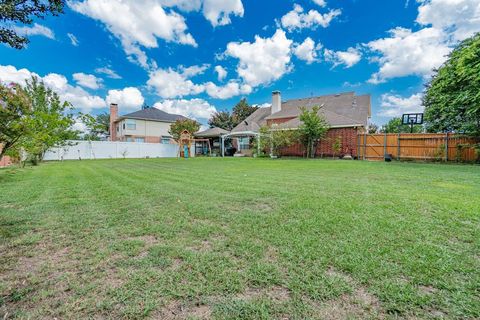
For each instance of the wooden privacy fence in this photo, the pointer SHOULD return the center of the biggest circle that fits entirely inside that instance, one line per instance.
(417, 146)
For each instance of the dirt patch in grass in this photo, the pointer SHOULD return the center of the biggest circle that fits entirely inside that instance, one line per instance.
(175, 310)
(427, 290)
(275, 293)
(355, 305)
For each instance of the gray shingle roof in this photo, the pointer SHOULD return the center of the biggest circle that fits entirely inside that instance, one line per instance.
(340, 110)
(211, 133)
(152, 114)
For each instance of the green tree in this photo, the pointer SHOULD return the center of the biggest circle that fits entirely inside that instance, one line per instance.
(48, 124)
(372, 128)
(15, 107)
(313, 128)
(395, 126)
(452, 99)
(242, 110)
(274, 140)
(98, 127)
(222, 119)
(24, 11)
(179, 126)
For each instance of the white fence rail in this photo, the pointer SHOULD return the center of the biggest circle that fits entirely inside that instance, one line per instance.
(80, 150)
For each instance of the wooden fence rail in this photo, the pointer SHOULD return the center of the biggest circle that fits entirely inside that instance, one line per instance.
(417, 146)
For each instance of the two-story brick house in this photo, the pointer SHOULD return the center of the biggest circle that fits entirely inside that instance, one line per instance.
(148, 125)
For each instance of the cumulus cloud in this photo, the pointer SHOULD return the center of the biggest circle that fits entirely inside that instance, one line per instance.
(297, 19)
(169, 83)
(394, 105)
(218, 11)
(264, 60)
(221, 72)
(87, 80)
(321, 3)
(347, 58)
(129, 98)
(406, 52)
(35, 30)
(77, 96)
(231, 89)
(409, 53)
(198, 109)
(460, 17)
(73, 39)
(307, 51)
(137, 23)
(108, 72)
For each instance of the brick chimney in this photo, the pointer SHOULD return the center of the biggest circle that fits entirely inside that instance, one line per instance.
(113, 117)
(276, 102)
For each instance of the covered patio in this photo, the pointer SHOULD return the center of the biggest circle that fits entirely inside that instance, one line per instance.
(243, 142)
(208, 142)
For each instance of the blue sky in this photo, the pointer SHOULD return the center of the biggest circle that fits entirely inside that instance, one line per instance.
(197, 56)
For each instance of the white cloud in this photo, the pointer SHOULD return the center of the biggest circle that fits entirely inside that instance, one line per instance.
(222, 72)
(73, 39)
(108, 72)
(395, 106)
(129, 98)
(297, 19)
(218, 11)
(406, 53)
(263, 61)
(306, 51)
(231, 89)
(192, 71)
(137, 23)
(460, 17)
(35, 30)
(198, 109)
(77, 96)
(169, 83)
(87, 80)
(347, 58)
(321, 3)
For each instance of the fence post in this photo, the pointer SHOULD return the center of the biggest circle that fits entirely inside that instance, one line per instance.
(398, 146)
(385, 145)
(365, 146)
(446, 147)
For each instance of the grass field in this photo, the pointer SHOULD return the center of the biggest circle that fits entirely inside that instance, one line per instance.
(240, 239)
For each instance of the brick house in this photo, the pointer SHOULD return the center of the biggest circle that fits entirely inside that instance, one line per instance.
(346, 113)
(148, 125)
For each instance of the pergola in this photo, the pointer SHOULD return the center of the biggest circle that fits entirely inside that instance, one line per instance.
(241, 134)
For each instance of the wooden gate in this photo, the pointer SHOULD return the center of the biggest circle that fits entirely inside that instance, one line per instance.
(417, 146)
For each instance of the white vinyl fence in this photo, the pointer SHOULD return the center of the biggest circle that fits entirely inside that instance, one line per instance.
(80, 150)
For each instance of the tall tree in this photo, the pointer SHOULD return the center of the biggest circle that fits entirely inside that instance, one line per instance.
(49, 123)
(313, 128)
(452, 99)
(24, 11)
(242, 111)
(179, 126)
(222, 119)
(15, 107)
(98, 127)
(395, 126)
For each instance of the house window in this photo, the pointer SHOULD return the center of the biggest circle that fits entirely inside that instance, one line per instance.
(142, 140)
(244, 143)
(165, 140)
(131, 124)
(129, 139)
(118, 128)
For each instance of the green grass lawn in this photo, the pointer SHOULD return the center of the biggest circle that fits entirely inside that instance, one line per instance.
(240, 239)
